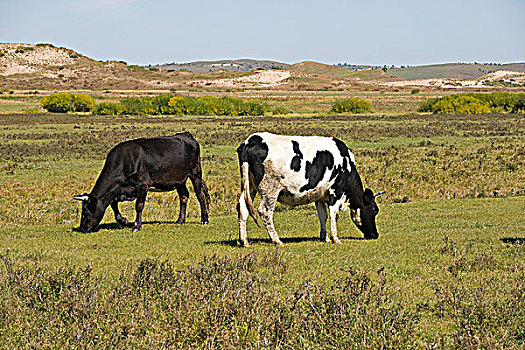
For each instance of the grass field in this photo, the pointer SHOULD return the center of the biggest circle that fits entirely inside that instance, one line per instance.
(446, 272)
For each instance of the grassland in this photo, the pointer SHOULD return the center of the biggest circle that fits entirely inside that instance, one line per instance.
(453, 70)
(446, 272)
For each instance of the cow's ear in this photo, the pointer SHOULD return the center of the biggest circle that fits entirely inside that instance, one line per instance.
(368, 196)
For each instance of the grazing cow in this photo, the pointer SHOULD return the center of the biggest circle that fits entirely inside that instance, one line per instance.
(297, 170)
(134, 167)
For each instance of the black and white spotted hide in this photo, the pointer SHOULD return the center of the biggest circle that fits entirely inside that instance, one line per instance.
(297, 170)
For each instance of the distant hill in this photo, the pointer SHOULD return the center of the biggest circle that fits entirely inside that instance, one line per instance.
(309, 67)
(239, 65)
(454, 70)
(314, 68)
(355, 67)
(46, 67)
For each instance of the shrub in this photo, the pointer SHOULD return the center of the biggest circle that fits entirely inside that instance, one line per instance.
(58, 103)
(519, 106)
(108, 108)
(135, 106)
(64, 102)
(160, 104)
(470, 105)
(32, 111)
(182, 105)
(83, 103)
(473, 103)
(415, 91)
(351, 105)
(280, 110)
(254, 107)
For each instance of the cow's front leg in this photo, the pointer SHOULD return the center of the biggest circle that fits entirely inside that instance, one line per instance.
(184, 194)
(322, 214)
(334, 214)
(142, 192)
(118, 217)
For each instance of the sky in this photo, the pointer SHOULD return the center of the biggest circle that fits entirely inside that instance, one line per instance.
(376, 32)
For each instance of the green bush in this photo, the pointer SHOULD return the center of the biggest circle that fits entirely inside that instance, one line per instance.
(182, 105)
(415, 91)
(108, 108)
(351, 105)
(64, 102)
(280, 110)
(57, 103)
(83, 103)
(32, 111)
(519, 106)
(473, 103)
(135, 106)
(470, 105)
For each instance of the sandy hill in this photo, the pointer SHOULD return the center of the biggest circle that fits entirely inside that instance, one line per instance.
(46, 67)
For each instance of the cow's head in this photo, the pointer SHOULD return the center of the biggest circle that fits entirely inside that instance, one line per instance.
(365, 217)
(92, 211)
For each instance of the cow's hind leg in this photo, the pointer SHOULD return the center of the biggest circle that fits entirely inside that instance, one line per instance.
(322, 214)
(142, 192)
(242, 212)
(184, 195)
(269, 194)
(118, 217)
(201, 191)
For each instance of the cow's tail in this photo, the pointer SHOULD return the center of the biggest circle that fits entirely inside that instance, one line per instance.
(245, 183)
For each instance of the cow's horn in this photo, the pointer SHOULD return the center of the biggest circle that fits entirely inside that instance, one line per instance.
(379, 193)
(81, 197)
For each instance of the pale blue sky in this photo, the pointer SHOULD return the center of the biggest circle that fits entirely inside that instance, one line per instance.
(376, 32)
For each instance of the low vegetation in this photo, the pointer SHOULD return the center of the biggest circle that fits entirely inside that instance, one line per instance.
(219, 303)
(351, 105)
(64, 102)
(476, 103)
(446, 272)
(158, 105)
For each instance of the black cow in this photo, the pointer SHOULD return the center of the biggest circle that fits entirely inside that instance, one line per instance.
(297, 170)
(134, 167)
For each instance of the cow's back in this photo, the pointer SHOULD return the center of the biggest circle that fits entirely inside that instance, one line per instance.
(160, 161)
(306, 166)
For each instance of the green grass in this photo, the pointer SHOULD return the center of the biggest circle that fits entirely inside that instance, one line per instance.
(450, 253)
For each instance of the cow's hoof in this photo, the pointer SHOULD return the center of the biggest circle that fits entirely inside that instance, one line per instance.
(179, 222)
(135, 229)
(279, 244)
(337, 241)
(244, 244)
(205, 222)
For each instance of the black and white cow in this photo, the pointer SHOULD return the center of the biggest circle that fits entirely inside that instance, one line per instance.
(297, 170)
(134, 167)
